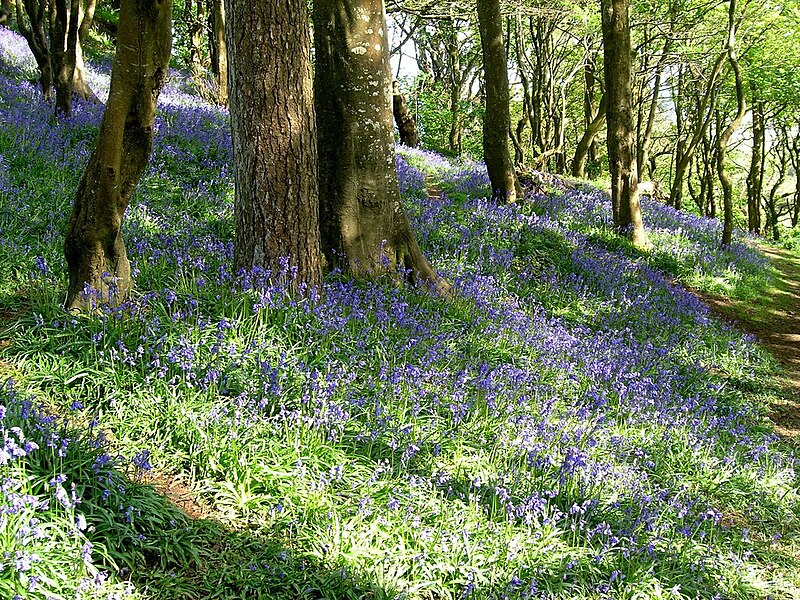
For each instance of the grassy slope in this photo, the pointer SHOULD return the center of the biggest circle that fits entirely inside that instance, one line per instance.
(571, 425)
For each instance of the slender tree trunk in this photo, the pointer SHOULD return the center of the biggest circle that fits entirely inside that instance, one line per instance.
(497, 120)
(362, 223)
(755, 176)
(627, 214)
(274, 143)
(406, 125)
(94, 247)
(643, 153)
(219, 53)
(582, 151)
(699, 126)
(724, 138)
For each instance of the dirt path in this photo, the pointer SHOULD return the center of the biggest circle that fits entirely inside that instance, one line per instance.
(776, 324)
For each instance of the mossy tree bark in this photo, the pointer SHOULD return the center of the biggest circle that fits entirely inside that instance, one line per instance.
(94, 248)
(274, 142)
(497, 119)
(627, 213)
(364, 228)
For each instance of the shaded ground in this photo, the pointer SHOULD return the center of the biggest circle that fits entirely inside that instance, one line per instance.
(775, 322)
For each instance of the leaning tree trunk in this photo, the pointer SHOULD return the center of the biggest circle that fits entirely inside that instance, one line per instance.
(364, 228)
(724, 138)
(406, 125)
(274, 141)
(497, 119)
(583, 149)
(34, 33)
(626, 211)
(94, 248)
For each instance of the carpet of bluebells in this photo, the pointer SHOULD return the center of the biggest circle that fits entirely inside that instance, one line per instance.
(571, 424)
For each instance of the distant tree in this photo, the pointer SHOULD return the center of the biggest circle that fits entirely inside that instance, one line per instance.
(5, 11)
(627, 214)
(497, 120)
(274, 143)
(363, 226)
(94, 248)
(55, 32)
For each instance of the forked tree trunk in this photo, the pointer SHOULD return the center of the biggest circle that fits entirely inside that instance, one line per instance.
(94, 248)
(406, 125)
(364, 228)
(497, 119)
(627, 213)
(274, 142)
(63, 44)
(582, 151)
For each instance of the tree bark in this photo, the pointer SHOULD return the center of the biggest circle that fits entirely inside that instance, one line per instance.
(406, 125)
(497, 120)
(626, 210)
(363, 226)
(99, 270)
(5, 11)
(219, 51)
(274, 141)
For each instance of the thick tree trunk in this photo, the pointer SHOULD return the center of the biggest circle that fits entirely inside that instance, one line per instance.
(627, 214)
(219, 51)
(406, 125)
(94, 247)
(364, 228)
(497, 120)
(274, 141)
(582, 150)
(724, 138)
(755, 176)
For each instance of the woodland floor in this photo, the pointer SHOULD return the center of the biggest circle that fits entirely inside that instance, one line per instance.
(775, 322)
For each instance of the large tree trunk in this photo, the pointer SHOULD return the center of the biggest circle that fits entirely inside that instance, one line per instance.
(94, 247)
(497, 120)
(627, 214)
(724, 138)
(219, 51)
(364, 228)
(274, 141)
